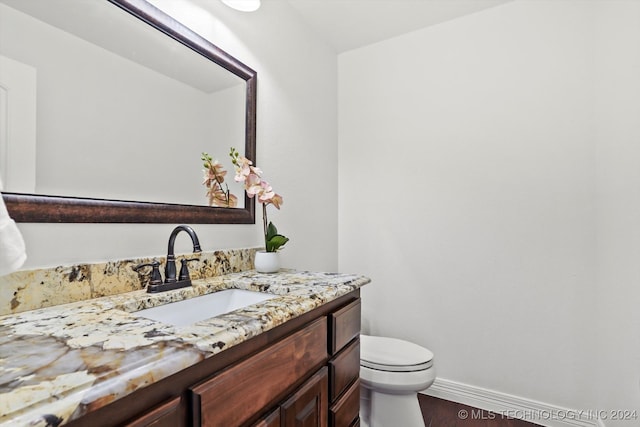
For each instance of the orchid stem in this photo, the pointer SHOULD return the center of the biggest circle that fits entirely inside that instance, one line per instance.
(264, 224)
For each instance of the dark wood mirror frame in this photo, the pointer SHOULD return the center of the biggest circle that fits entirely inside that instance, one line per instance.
(42, 208)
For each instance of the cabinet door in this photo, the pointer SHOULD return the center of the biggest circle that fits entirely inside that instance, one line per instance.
(308, 407)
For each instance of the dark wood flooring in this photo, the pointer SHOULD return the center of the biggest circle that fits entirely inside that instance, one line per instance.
(443, 413)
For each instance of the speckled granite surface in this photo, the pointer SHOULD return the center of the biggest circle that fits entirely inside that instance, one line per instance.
(61, 362)
(33, 289)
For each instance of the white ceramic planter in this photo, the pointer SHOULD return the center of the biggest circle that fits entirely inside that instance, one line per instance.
(267, 262)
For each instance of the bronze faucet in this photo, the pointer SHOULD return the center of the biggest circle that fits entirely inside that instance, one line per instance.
(170, 267)
(170, 280)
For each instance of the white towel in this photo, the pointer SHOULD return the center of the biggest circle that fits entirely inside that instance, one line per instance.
(12, 250)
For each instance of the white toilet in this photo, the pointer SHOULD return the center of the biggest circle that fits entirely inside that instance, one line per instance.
(392, 372)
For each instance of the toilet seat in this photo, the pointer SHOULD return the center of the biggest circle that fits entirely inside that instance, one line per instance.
(393, 355)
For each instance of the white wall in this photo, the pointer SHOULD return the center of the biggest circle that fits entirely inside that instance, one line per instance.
(617, 110)
(475, 176)
(296, 134)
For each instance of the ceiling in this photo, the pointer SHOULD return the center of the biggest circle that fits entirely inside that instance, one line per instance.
(350, 24)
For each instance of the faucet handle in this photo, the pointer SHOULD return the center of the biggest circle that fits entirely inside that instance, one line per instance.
(156, 277)
(184, 269)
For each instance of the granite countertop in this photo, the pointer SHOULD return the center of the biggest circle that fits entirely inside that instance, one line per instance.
(61, 362)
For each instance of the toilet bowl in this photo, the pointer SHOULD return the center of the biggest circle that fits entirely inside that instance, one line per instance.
(392, 372)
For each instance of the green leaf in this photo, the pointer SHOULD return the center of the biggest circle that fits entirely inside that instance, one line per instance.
(271, 231)
(275, 242)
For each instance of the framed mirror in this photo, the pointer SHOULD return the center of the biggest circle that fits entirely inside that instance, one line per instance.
(117, 136)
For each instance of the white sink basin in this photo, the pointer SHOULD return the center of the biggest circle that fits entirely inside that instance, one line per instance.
(183, 313)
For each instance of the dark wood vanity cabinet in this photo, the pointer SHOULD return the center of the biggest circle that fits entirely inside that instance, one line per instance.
(300, 374)
(331, 397)
(344, 365)
(235, 395)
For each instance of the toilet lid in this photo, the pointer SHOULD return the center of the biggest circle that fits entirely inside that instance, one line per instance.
(393, 355)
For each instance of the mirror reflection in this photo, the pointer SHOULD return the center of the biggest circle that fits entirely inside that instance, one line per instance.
(96, 104)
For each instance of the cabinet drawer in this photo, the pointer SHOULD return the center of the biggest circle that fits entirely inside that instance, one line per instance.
(169, 414)
(344, 369)
(347, 409)
(345, 326)
(249, 387)
(271, 420)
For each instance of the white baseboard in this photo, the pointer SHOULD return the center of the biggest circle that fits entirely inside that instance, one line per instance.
(512, 406)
